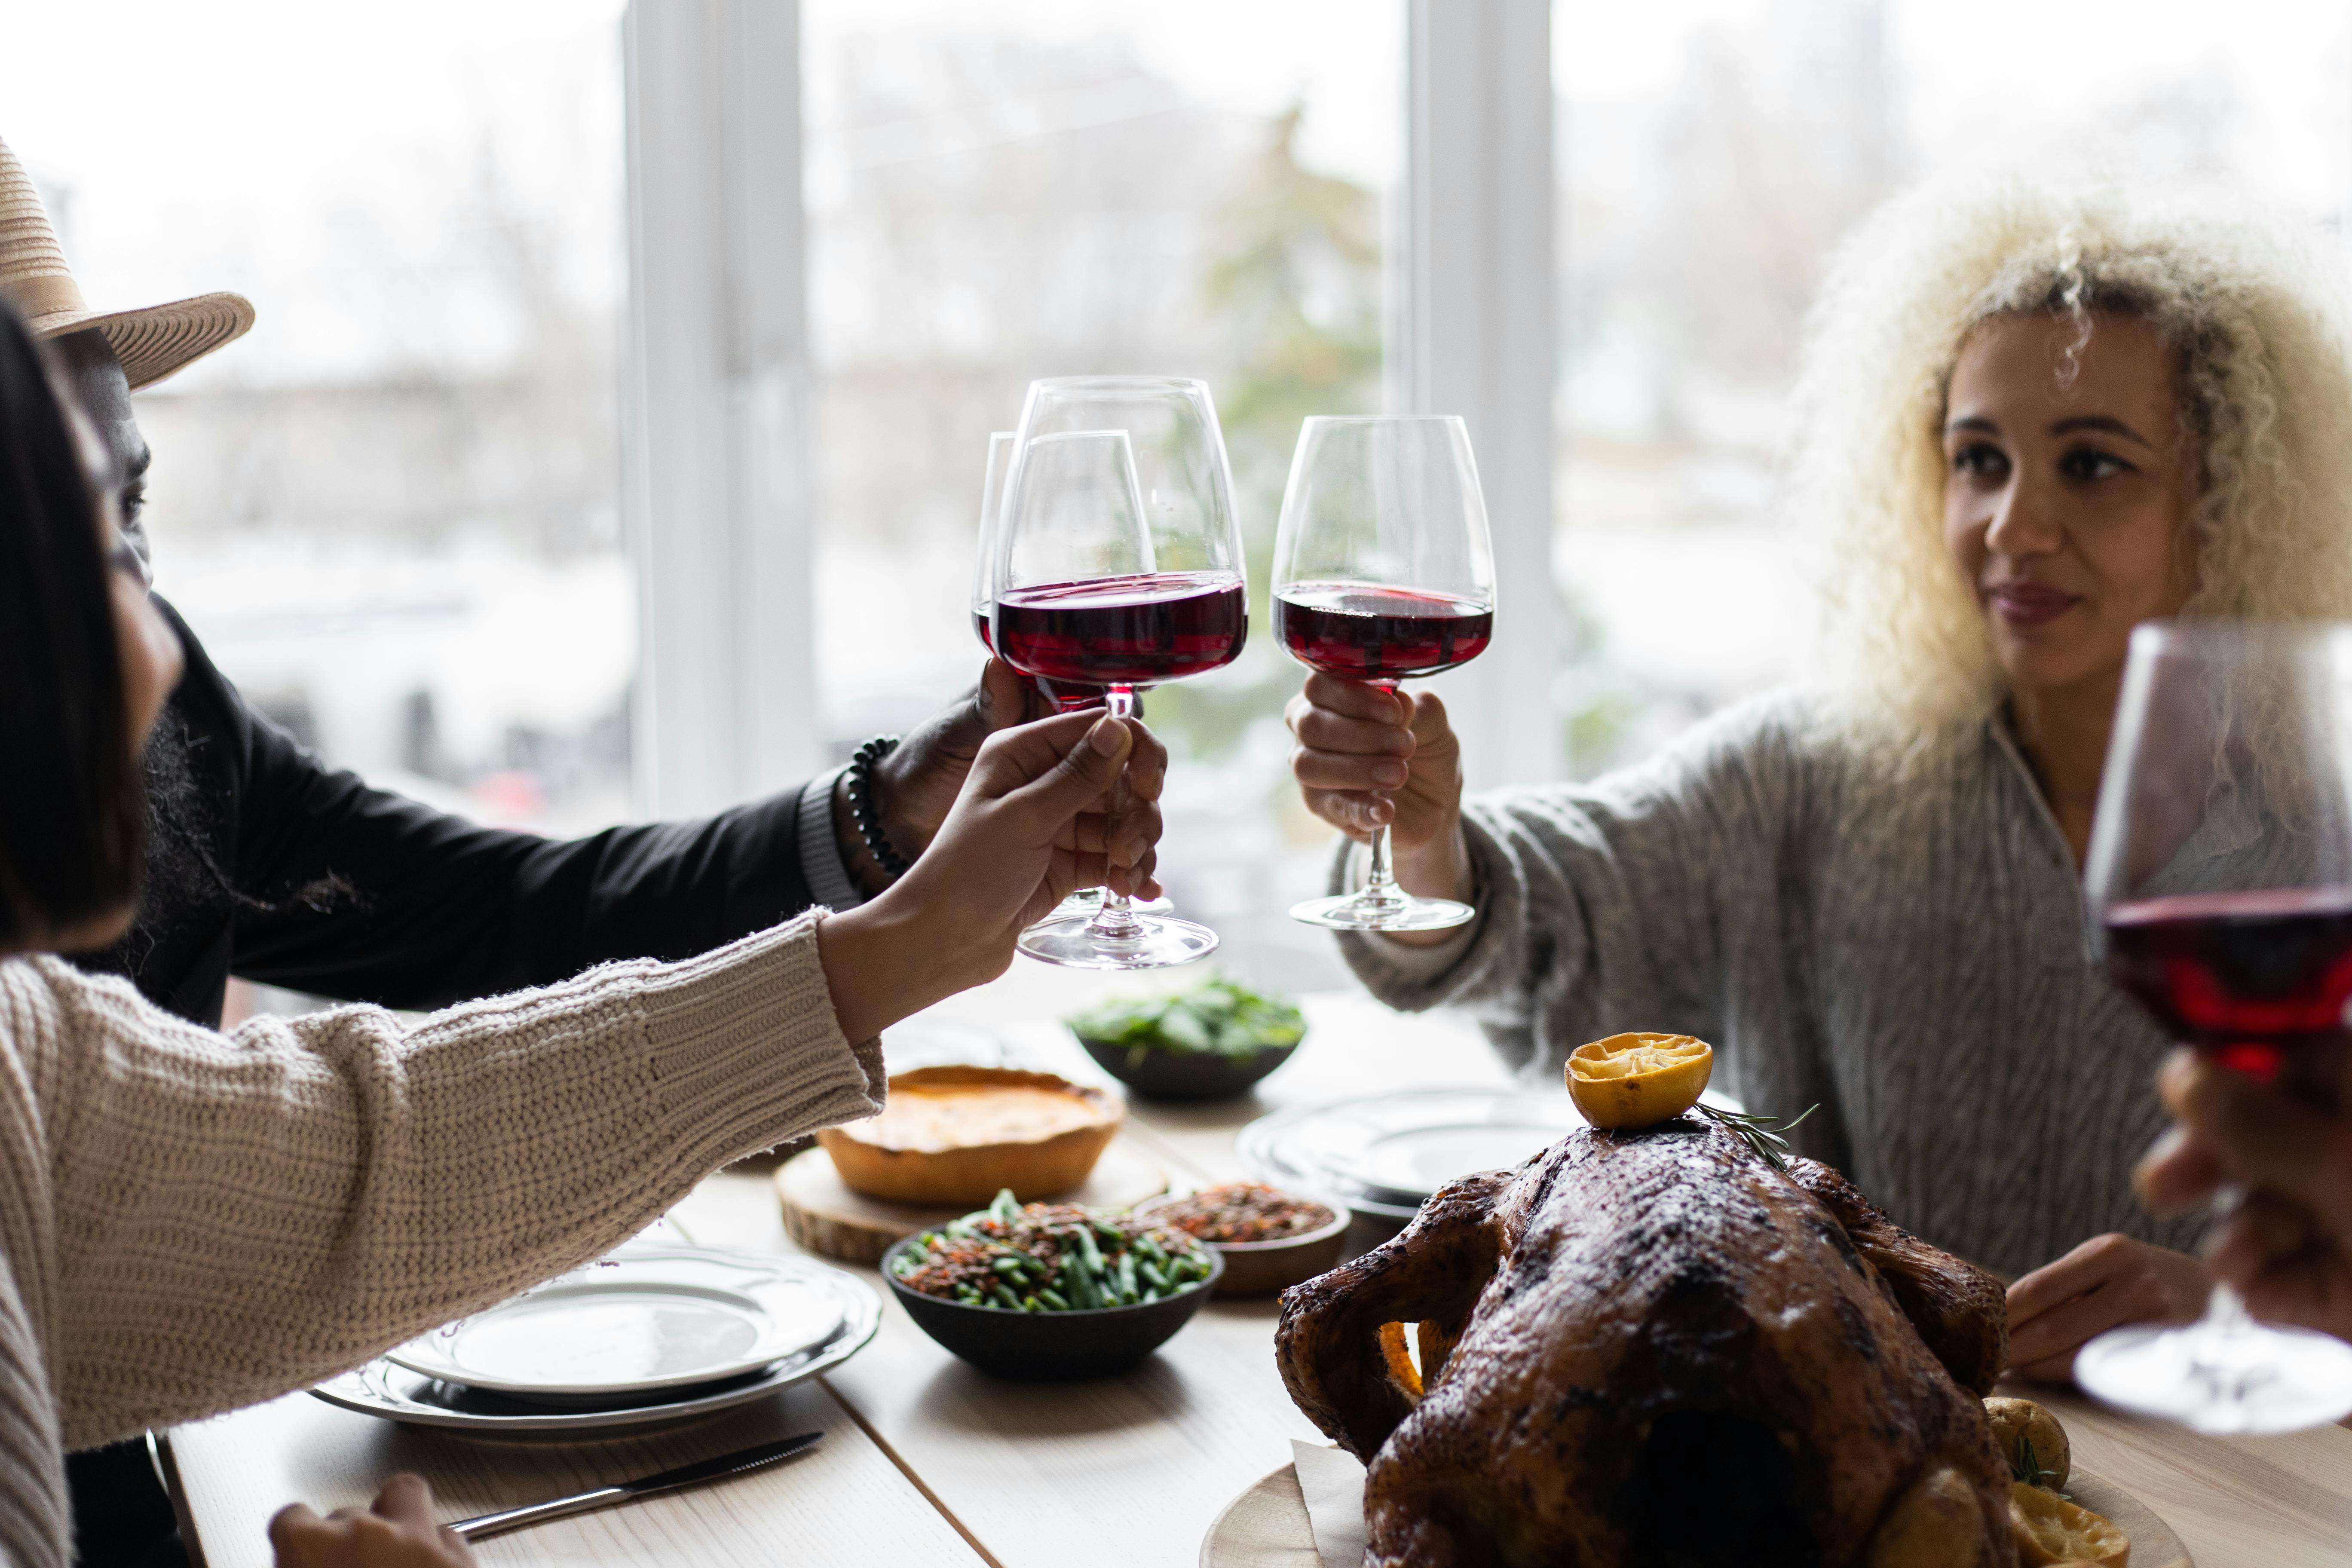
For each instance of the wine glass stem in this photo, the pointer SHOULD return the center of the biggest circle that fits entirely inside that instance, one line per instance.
(1115, 918)
(1380, 877)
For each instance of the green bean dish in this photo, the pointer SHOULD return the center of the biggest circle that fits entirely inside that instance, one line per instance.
(1050, 1257)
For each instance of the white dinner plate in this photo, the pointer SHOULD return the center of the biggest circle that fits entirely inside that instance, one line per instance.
(641, 1322)
(1386, 1152)
(395, 1393)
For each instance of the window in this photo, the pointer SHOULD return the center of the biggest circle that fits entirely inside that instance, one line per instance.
(391, 510)
(1019, 190)
(1711, 152)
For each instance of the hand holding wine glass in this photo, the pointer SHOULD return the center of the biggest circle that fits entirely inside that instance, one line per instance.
(1383, 573)
(1095, 582)
(1368, 758)
(2287, 1251)
(2220, 887)
(1016, 843)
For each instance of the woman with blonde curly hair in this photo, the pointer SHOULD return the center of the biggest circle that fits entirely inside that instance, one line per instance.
(2030, 418)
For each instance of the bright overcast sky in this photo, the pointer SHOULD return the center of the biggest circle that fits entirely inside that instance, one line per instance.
(278, 145)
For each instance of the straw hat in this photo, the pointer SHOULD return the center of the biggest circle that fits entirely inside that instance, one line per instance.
(151, 342)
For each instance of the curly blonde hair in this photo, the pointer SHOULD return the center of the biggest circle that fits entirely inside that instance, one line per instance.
(2249, 305)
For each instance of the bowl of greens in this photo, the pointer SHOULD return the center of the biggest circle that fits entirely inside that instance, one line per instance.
(1051, 1291)
(1212, 1042)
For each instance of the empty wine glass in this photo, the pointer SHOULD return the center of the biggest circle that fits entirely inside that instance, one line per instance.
(1118, 563)
(2219, 891)
(1383, 573)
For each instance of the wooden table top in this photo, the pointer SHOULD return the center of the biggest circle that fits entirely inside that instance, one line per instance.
(929, 1461)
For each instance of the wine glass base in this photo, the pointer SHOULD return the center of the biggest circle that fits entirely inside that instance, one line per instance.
(1154, 944)
(1353, 912)
(2239, 1380)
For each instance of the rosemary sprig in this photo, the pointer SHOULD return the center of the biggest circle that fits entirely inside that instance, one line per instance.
(1763, 1132)
(2025, 1465)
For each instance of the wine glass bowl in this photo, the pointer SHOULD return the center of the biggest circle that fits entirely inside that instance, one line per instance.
(1383, 573)
(1119, 566)
(2218, 893)
(1066, 695)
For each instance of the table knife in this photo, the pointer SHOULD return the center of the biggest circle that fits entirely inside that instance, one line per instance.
(606, 1497)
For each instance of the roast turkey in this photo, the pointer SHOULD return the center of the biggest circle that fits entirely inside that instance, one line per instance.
(1653, 1347)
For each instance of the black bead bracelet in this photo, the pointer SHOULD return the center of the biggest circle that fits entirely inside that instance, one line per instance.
(869, 816)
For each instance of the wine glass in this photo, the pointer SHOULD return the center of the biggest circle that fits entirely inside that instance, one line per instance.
(1383, 571)
(2219, 892)
(1066, 695)
(992, 501)
(1118, 563)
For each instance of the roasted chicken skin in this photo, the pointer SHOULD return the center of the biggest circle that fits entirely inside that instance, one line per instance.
(1653, 1348)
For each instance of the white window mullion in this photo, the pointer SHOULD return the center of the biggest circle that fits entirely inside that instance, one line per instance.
(717, 454)
(1474, 335)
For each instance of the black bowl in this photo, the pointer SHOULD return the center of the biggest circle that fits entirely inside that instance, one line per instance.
(1050, 1347)
(1158, 1074)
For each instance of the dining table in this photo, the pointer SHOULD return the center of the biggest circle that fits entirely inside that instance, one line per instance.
(928, 1460)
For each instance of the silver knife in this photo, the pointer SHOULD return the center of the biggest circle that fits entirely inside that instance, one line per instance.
(485, 1525)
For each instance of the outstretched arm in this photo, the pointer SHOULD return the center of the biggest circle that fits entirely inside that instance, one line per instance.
(1620, 904)
(228, 1217)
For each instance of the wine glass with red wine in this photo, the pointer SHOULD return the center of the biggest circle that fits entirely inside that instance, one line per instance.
(1118, 565)
(1383, 574)
(1064, 694)
(2219, 889)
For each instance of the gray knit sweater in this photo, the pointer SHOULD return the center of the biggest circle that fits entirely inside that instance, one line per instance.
(1908, 953)
(190, 1222)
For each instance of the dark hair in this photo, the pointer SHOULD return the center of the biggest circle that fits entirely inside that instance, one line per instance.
(70, 804)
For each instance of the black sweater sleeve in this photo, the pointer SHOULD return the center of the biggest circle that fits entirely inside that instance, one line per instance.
(359, 893)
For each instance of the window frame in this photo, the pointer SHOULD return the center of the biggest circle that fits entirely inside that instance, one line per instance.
(717, 487)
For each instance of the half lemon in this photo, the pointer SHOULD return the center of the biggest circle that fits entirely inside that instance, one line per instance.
(2049, 1529)
(1634, 1080)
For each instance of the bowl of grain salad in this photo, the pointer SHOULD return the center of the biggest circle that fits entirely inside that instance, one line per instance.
(1270, 1239)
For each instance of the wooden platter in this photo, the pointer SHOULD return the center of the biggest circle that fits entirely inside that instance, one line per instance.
(823, 1214)
(1266, 1526)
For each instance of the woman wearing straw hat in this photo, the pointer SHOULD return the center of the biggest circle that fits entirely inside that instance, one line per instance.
(264, 862)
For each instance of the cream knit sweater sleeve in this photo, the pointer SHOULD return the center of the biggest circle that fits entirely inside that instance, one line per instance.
(201, 1221)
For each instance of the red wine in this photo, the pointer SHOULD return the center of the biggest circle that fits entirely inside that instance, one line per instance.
(1387, 635)
(1124, 631)
(1067, 695)
(2244, 976)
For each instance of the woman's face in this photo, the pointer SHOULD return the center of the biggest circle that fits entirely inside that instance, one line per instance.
(2064, 498)
(147, 647)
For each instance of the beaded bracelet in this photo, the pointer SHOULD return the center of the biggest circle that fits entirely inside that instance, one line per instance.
(867, 814)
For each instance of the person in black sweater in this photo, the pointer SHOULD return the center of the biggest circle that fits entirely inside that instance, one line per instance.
(265, 863)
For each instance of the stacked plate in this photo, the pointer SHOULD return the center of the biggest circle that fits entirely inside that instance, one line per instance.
(1386, 1153)
(647, 1334)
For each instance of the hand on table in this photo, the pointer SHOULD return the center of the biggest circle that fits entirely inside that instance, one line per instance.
(916, 786)
(2108, 1281)
(1368, 757)
(397, 1531)
(2288, 1248)
(1024, 833)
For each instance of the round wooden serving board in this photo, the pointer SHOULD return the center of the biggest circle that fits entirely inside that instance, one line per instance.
(823, 1214)
(1266, 1527)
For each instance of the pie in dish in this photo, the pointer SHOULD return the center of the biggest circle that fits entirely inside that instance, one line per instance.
(960, 1134)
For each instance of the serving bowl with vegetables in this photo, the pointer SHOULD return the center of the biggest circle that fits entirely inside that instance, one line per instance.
(1047, 1291)
(1212, 1042)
